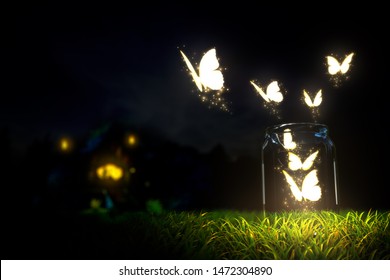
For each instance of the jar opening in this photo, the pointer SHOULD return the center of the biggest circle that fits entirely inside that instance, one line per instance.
(298, 127)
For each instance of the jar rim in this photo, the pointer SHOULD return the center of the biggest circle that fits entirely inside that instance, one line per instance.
(297, 127)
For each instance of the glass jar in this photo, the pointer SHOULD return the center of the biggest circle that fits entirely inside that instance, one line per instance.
(299, 168)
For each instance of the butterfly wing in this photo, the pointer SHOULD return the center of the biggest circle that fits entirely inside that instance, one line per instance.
(308, 99)
(293, 186)
(307, 164)
(346, 63)
(273, 92)
(194, 75)
(310, 189)
(260, 91)
(295, 162)
(288, 142)
(209, 74)
(318, 99)
(333, 65)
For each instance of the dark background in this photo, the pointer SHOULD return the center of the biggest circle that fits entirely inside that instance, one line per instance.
(97, 71)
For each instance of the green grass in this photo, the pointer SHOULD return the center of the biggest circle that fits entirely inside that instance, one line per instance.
(247, 235)
(202, 235)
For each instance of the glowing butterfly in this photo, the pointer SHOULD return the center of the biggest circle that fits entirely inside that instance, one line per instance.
(317, 99)
(335, 67)
(209, 76)
(310, 190)
(272, 93)
(295, 162)
(288, 143)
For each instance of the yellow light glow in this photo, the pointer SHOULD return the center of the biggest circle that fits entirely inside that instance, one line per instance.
(295, 162)
(317, 99)
(310, 190)
(288, 142)
(109, 171)
(64, 144)
(209, 76)
(334, 67)
(272, 92)
(131, 140)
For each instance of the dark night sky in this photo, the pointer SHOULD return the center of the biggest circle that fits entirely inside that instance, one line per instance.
(69, 68)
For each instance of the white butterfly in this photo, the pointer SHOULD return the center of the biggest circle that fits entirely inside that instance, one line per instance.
(310, 190)
(295, 162)
(273, 92)
(334, 66)
(288, 142)
(209, 76)
(317, 99)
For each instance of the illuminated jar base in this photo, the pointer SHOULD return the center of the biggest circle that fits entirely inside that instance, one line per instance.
(299, 168)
